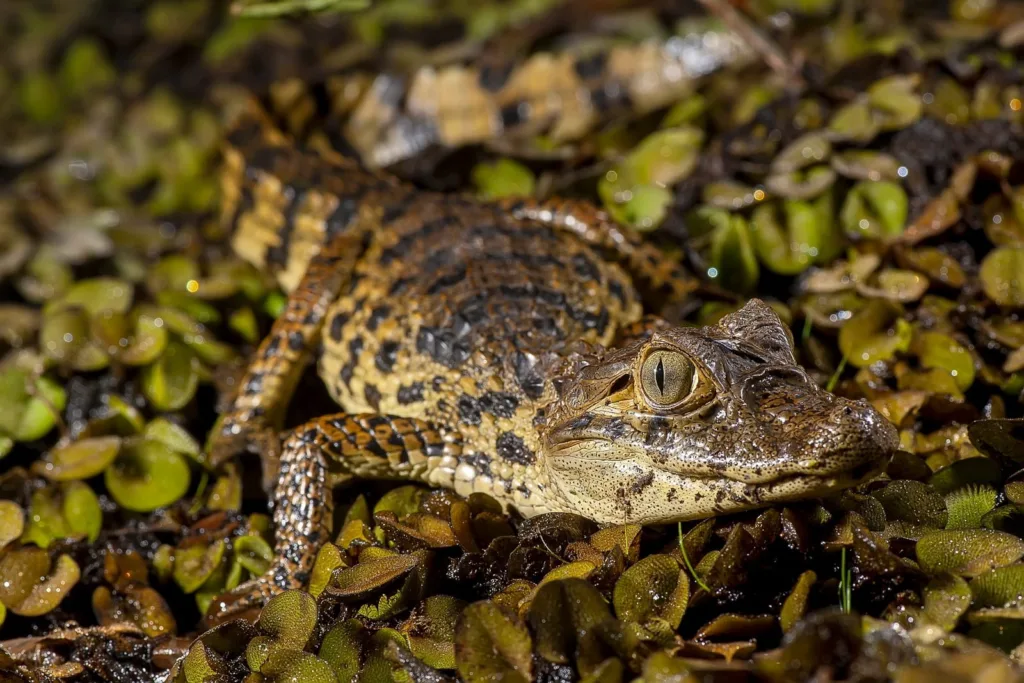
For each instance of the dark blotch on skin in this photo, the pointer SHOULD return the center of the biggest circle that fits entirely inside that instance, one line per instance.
(278, 254)
(273, 346)
(479, 462)
(376, 449)
(499, 403)
(592, 321)
(295, 341)
(254, 385)
(616, 428)
(527, 375)
(412, 393)
(386, 356)
(581, 421)
(447, 346)
(494, 76)
(514, 114)
(641, 483)
(585, 268)
(609, 96)
(469, 410)
(447, 280)
(396, 210)
(372, 395)
(415, 240)
(399, 286)
(341, 216)
(616, 289)
(377, 315)
(512, 449)
(396, 439)
(355, 347)
(592, 66)
(657, 429)
(337, 324)
(378, 421)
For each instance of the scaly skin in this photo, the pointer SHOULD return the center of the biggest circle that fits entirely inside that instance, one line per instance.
(562, 95)
(499, 347)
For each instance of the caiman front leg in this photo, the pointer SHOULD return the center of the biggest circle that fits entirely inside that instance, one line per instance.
(268, 383)
(314, 458)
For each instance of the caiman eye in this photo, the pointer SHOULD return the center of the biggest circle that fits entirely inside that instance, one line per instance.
(667, 377)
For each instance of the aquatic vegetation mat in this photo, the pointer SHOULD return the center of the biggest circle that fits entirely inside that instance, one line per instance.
(877, 204)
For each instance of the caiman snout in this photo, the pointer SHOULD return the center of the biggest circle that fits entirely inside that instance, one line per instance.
(815, 432)
(853, 439)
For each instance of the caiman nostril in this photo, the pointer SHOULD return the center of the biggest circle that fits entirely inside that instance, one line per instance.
(844, 414)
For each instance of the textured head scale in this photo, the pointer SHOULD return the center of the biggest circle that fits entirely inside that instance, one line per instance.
(696, 422)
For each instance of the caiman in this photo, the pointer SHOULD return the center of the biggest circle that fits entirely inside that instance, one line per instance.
(501, 347)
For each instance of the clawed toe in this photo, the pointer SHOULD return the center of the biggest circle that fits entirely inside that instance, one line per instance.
(231, 438)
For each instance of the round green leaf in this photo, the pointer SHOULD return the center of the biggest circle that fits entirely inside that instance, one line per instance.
(937, 350)
(791, 245)
(912, 501)
(254, 553)
(967, 552)
(875, 210)
(946, 599)
(81, 459)
(561, 612)
(1002, 276)
(289, 618)
(732, 259)
(491, 645)
(12, 521)
(1000, 587)
(147, 344)
(147, 475)
(82, 511)
(195, 564)
(503, 178)
(97, 295)
(654, 587)
(37, 416)
(171, 382)
(342, 648)
(174, 436)
(285, 665)
(875, 333)
(329, 558)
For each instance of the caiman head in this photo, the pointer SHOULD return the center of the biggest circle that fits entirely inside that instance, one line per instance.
(696, 422)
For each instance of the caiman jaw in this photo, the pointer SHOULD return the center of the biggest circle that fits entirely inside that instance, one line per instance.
(740, 427)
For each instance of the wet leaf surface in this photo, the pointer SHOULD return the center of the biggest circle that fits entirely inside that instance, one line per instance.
(491, 645)
(967, 552)
(147, 475)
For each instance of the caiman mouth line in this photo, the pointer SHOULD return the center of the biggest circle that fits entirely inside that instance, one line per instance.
(857, 474)
(845, 479)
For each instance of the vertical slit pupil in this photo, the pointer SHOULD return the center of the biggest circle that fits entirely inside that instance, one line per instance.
(659, 375)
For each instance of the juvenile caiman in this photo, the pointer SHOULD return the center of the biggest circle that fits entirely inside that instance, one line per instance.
(500, 347)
